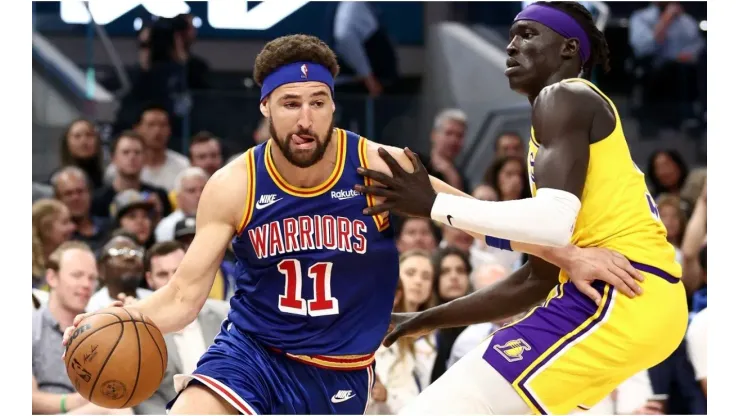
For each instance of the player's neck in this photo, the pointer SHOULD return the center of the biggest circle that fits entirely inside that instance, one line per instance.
(63, 316)
(311, 176)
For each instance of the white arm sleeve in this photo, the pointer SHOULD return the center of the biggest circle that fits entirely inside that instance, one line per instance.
(547, 219)
(696, 343)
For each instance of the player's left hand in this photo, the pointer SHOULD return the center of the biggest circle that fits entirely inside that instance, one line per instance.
(409, 194)
(591, 264)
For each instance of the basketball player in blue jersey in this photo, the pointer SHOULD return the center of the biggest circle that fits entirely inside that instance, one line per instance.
(567, 352)
(316, 278)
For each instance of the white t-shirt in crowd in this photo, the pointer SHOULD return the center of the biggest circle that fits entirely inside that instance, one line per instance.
(162, 176)
(165, 230)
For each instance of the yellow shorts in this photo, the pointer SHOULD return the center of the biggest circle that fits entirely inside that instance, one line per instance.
(570, 352)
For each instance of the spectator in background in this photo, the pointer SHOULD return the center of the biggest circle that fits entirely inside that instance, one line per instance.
(669, 210)
(133, 213)
(80, 146)
(456, 238)
(508, 177)
(184, 347)
(417, 276)
(451, 281)
(188, 187)
(692, 189)
(697, 339)
(72, 187)
(395, 368)
(363, 47)
(509, 143)
(196, 69)
(483, 276)
(51, 226)
(185, 231)
(160, 164)
(72, 277)
(206, 152)
(667, 40)
(415, 234)
(694, 239)
(127, 164)
(667, 172)
(675, 380)
(121, 270)
(448, 135)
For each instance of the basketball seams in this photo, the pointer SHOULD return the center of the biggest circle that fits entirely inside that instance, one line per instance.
(102, 366)
(161, 357)
(138, 367)
(120, 321)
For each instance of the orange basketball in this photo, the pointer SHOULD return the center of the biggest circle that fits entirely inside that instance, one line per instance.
(116, 358)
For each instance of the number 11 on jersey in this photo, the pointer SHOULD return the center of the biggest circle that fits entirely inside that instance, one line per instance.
(291, 301)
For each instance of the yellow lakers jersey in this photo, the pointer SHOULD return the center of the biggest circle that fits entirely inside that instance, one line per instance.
(617, 211)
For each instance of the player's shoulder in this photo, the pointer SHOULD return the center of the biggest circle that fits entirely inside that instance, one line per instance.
(227, 188)
(566, 96)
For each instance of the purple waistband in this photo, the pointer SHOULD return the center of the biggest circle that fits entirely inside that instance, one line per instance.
(561, 23)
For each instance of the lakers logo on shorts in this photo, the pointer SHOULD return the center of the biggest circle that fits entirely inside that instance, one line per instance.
(513, 350)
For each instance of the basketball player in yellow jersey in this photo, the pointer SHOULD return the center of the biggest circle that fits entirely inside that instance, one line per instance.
(569, 352)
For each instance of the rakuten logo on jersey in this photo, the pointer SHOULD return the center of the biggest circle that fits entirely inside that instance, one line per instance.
(344, 194)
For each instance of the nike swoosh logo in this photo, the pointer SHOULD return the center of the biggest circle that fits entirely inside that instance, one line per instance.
(449, 219)
(334, 399)
(261, 206)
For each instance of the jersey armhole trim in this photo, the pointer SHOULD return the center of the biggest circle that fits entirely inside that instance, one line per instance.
(251, 185)
(382, 222)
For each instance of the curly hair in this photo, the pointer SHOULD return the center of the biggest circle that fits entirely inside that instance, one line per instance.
(293, 48)
(599, 47)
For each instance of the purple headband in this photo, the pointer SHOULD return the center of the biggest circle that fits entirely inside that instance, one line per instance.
(561, 23)
(296, 72)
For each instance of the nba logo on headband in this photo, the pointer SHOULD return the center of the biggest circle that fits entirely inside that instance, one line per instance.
(304, 71)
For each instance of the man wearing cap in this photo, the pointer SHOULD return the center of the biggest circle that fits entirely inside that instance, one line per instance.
(133, 212)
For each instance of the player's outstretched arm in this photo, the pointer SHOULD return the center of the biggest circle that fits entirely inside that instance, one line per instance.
(524, 288)
(562, 117)
(219, 213)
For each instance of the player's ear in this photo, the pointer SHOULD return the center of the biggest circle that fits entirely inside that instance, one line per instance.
(264, 108)
(570, 48)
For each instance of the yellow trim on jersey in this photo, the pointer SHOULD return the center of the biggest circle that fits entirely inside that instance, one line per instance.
(251, 185)
(340, 362)
(605, 300)
(382, 221)
(329, 183)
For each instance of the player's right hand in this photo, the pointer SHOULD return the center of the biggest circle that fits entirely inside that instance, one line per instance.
(70, 329)
(404, 325)
(594, 263)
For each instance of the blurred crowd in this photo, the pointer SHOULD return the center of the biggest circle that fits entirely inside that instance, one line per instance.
(116, 218)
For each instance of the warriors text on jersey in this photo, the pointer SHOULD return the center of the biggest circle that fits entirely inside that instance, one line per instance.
(315, 275)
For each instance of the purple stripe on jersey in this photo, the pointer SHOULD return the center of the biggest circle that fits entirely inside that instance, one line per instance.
(656, 271)
(522, 384)
(513, 349)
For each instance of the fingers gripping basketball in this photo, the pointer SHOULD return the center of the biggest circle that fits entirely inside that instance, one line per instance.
(116, 358)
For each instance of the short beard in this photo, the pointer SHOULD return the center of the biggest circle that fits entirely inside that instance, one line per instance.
(301, 159)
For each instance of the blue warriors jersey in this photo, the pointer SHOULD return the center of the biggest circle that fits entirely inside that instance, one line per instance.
(314, 275)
